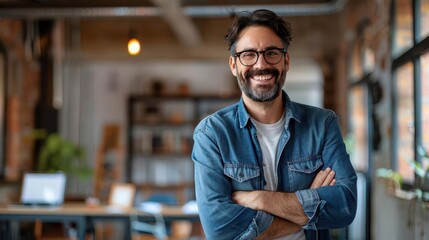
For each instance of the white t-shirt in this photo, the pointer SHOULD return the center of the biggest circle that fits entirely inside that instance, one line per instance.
(268, 136)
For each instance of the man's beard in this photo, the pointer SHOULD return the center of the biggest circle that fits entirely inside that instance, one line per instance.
(262, 93)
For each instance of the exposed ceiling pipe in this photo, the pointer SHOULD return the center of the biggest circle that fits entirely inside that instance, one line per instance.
(192, 11)
(80, 12)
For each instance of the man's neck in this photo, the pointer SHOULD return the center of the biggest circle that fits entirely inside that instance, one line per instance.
(265, 112)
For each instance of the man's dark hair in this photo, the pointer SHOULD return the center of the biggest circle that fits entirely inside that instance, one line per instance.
(261, 17)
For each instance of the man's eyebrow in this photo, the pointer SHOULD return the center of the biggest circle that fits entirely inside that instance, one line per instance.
(248, 49)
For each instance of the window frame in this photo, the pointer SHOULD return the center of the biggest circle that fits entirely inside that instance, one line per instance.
(411, 55)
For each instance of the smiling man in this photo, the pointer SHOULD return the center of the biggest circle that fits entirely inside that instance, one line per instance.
(267, 167)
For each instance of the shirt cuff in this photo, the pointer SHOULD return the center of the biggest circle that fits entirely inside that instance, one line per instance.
(310, 201)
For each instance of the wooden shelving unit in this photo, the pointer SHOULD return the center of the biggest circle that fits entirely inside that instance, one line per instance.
(159, 135)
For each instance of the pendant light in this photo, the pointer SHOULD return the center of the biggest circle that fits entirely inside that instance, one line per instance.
(134, 46)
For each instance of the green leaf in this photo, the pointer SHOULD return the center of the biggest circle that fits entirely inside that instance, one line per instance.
(395, 176)
(422, 152)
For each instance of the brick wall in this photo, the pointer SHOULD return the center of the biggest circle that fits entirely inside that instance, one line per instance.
(22, 93)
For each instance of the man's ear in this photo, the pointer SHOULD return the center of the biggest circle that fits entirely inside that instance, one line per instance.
(233, 66)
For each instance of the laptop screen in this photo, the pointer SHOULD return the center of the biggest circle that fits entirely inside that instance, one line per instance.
(43, 188)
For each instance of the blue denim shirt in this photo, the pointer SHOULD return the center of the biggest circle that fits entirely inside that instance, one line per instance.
(227, 158)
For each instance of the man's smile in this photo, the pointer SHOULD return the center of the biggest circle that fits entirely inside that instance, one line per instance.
(262, 78)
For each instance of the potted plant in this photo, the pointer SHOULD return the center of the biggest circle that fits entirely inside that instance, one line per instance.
(60, 154)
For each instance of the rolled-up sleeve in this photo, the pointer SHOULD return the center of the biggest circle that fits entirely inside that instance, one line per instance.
(310, 202)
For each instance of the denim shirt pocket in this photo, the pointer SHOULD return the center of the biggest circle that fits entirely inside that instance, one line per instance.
(302, 173)
(243, 176)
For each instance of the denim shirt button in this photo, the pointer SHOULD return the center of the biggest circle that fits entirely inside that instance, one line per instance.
(241, 175)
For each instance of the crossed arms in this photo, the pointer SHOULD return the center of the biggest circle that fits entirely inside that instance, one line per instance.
(288, 212)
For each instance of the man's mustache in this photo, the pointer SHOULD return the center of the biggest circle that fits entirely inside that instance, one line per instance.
(252, 73)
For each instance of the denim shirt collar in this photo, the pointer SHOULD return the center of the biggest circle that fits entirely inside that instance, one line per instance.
(291, 112)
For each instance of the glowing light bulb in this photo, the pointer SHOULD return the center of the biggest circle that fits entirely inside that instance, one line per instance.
(133, 46)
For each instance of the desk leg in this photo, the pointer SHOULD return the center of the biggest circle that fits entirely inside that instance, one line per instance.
(9, 230)
(127, 229)
(81, 228)
(5, 230)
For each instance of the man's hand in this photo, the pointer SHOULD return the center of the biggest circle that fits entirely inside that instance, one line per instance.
(324, 178)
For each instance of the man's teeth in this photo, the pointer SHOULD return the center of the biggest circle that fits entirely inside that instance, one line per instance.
(262, 77)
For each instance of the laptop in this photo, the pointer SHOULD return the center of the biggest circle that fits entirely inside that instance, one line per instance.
(43, 189)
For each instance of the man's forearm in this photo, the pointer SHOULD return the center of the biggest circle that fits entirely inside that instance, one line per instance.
(281, 204)
(279, 228)
(288, 206)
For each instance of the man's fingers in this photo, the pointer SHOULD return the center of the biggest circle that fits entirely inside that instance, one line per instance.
(324, 178)
(329, 177)
(320, 178)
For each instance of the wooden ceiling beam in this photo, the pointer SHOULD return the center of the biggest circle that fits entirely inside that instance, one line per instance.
(181, 24)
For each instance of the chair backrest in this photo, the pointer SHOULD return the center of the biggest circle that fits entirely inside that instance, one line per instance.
(157, 228)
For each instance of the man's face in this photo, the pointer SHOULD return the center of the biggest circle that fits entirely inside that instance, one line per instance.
(262, 81)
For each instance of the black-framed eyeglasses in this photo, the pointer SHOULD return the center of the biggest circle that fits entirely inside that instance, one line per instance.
(271, 56)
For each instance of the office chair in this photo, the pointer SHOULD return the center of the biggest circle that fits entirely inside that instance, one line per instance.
(178, 229)
(157, 228)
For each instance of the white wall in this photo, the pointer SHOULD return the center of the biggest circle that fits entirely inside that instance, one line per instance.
(304, 82)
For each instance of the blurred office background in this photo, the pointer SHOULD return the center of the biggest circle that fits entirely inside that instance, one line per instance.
(65, 68)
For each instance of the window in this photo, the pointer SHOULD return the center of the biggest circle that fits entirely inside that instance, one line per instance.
(403, 21)
(410, 71)
(405, 118)
(424, 18)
